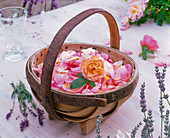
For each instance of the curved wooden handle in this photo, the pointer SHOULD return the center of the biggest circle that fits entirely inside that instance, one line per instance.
(57, 43)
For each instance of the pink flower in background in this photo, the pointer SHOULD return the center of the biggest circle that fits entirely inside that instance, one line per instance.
(135, 10)
(149, 42)
(144, 1)
(125, 23)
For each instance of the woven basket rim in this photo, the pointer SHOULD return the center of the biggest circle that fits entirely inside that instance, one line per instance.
(134, 71)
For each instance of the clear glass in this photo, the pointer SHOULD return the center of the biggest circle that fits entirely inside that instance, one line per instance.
(12, 23)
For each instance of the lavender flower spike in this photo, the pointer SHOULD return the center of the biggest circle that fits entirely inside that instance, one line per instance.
(42, 1)
(54, 5)
(24, 3)
(166, 124)
(142, 100)
(9, 114)
(30, 7)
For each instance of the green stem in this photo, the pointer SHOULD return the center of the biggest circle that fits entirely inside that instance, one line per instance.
(45, 6)
(146, 124)
(161, 117)
(33, 8)
(41, 7)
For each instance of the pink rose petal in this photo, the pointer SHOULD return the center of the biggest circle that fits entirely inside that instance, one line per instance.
(120, 37)
(168, 53)
(128, 52)
(124, 28)
(78, 90)
(105, 56)
(161, 62)
(76, 69)
(60, 78)
(106, 41)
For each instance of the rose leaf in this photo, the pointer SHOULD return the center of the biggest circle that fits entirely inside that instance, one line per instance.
(78, 83)
(144, 55)
(150, 51)
(92, 84)
(144, 48)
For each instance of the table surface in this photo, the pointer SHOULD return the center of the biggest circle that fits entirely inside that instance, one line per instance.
(40, 31)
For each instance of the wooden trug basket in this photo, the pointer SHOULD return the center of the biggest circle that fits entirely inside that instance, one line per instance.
(79, 107)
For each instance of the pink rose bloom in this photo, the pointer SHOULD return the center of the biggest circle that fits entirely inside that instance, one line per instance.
(144, 1)
(125, 23)
(149, 42)
(136, 10)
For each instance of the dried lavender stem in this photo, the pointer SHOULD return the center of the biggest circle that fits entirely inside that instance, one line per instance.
(161, 117)
(45, 6)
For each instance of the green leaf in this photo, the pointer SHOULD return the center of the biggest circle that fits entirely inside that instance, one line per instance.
(12, 84)
(165, 2)
(158, 1)
(144, 55)
(33, 105)
(162, 13)
(79, 82)
(19, 98)
(92, 84)
(80, 75)
(150, 51)
(160, 22)
(29, 98)
(168, 13)
(13, 94)
(168, 19)
(142, 20)
(144, 48)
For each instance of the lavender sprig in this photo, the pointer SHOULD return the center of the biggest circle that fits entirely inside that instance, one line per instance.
(24, 124)
(24, 3)
(134, 131)
(166, 124)
(24, 98)
(40, 116)
(161, 78)
(142, 100)
(150, 122)
(148, 127)
(98, 126)
(30, 7)
(54, 5)
(9, 114)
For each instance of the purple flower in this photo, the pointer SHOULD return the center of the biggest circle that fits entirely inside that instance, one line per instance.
(24, 3)
(30, 7)
(134, 131)
(40, 116)
(32, 112)
(142, 100)
(150, 121)
(9, 114)
(1, 14)
(24, 124)
(54, 5)
(35, 2)
(166, 124)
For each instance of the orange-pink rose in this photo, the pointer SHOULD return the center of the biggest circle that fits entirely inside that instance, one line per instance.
(93, 68)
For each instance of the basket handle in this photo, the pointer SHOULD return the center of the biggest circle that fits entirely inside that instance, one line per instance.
(56, 45)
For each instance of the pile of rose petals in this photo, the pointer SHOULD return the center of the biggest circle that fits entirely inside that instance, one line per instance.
(69, 64)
